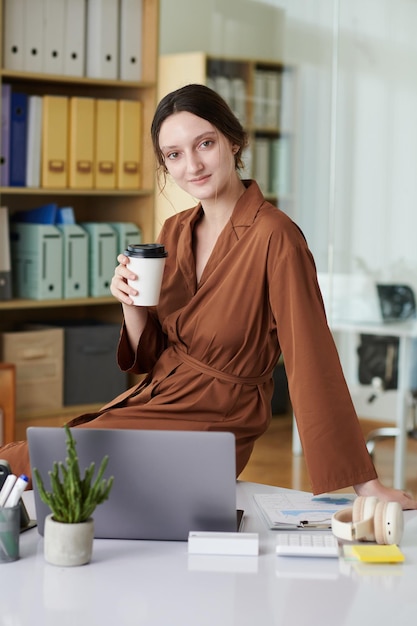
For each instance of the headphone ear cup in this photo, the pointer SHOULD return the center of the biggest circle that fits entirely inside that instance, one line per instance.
(388, 523)
(379, 523)
(364, 508)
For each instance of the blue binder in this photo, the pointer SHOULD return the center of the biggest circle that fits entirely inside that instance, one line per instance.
(45, 214)
(18, 138)
(65, 215)
(5, 134)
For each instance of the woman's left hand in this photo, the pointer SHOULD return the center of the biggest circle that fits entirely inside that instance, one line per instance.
(387, 494)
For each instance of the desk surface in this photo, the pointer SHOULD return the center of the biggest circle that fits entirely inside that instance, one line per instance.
(158, 584)
(407, 328)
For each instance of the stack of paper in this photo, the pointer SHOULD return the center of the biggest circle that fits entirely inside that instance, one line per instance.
(294, 510)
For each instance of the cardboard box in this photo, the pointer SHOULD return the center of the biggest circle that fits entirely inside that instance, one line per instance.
(38, 356)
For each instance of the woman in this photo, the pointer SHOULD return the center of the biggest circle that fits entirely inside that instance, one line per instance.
(239, 288)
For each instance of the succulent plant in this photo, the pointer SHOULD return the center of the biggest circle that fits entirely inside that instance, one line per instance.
(73, 499)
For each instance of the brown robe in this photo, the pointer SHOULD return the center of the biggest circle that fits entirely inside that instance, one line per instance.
(210, 348)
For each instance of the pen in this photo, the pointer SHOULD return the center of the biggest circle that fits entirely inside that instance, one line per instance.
(317, 524)
(18, 488)
(6, 489)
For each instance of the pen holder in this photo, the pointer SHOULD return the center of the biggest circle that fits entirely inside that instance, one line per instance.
(9, 534)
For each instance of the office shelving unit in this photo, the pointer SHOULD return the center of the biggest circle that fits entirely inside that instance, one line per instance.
(135, 206)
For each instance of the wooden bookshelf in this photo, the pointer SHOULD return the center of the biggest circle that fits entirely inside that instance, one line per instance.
(130, 205)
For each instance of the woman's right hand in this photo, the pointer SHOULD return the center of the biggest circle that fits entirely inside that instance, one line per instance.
(135, 317)
(119, 286)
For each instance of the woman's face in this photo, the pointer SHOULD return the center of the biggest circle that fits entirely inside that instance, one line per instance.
(199, 158)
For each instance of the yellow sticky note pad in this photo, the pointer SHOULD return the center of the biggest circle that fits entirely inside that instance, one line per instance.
(377, 553)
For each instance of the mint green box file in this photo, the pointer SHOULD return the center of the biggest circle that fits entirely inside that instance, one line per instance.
(127, 233)
(36, 261)
(102, 257)
(75, 242)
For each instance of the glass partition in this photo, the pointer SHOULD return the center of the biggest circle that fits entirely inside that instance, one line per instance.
(342, 158)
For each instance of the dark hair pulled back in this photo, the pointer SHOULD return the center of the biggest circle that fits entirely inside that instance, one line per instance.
(205, 103)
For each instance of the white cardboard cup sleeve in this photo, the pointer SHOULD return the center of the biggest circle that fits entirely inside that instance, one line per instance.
(147, 261)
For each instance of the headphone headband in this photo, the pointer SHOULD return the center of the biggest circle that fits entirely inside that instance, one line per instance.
(344, 528)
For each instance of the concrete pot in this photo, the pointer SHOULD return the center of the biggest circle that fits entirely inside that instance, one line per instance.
(68, 544)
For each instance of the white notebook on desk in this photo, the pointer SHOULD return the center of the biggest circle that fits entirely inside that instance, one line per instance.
(294, 510)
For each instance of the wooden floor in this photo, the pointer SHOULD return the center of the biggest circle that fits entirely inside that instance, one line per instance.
(273, 463)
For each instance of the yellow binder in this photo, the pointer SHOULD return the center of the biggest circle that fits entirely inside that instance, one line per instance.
(81, 143)
(129, 140)
(105, 148)
(55, 142)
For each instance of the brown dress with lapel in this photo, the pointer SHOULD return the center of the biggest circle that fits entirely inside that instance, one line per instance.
(209, 349)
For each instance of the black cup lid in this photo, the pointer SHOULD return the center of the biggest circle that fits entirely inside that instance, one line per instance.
(146, 250)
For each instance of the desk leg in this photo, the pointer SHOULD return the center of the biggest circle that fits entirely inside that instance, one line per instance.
(296, 441)
(404, 361)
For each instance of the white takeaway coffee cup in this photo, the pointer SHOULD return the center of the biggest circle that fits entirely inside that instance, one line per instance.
(147, 261)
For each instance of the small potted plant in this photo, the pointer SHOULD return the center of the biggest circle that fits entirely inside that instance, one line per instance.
(69, 529)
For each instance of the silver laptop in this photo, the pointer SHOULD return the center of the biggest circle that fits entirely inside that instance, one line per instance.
(166, 483)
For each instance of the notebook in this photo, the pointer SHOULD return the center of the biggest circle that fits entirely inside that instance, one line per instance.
(166, 483)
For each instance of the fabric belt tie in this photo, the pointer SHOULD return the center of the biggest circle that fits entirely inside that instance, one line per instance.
(224, 376)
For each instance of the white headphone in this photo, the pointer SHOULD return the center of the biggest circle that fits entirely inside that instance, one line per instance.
(370, 520)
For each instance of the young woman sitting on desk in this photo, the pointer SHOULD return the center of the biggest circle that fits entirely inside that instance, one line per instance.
(239, 288)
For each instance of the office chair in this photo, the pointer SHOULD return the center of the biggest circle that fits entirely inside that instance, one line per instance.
(392, 431)
(7, 402)
(397, 302)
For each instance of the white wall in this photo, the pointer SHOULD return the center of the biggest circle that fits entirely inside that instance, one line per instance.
(241, 28)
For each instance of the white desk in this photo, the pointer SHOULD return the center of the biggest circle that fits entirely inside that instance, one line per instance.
(135, 583)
